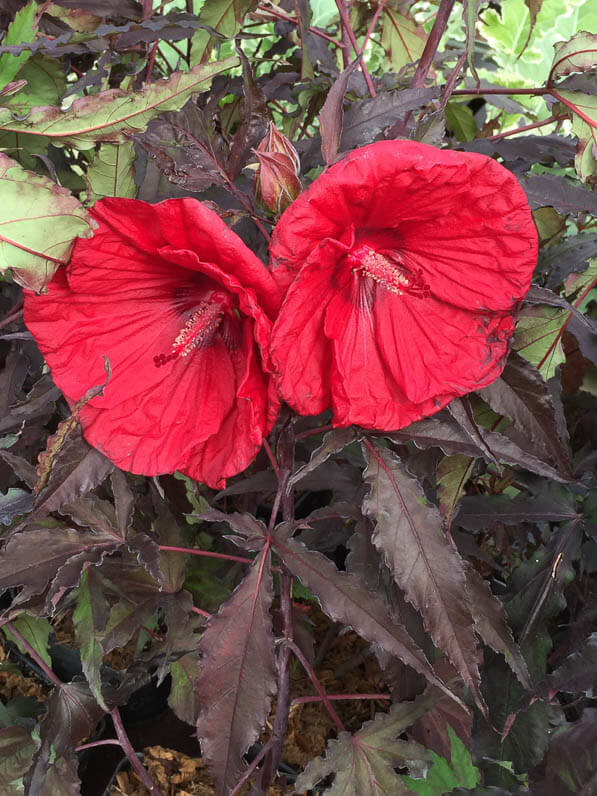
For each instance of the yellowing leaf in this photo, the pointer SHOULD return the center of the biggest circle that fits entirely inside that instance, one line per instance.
(39, 222)
(113, 115)
(402, 39)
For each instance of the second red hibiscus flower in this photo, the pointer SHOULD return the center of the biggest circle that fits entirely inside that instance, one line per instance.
(404, 266)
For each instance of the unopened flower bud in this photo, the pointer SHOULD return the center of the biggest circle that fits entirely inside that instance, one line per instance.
(276, 182)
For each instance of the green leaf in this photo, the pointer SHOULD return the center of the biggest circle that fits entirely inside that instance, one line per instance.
(461, 121)
(538, 337)
(21, 29)
(364, 763)
(34, 630)
(112, 172)
(444, 777)
(46, 83)
(40, 221)
(113, 115)
(583, 113)
(90, 618)
(453, 473)
(578, 54)
(226, 16)
(402, 39)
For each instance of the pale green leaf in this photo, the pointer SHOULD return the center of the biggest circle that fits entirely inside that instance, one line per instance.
(538, 337)
(402, 39)
(224, 16)
(461, 121)
(453, 472)
(444, 777)
(113, 115)
(578, 54)
(90, 619)
(20, 30)
(112, 172)
(34, 630)
(46, 83)
(39, 222)
(583, 110)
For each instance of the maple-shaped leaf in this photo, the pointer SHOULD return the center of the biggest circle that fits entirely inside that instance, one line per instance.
(346, 599)
(444, 777)
(72, 715)
(364, 763)
(578, 673)
(237, 680)
(425, 565)
(521, 394)
(571, 760)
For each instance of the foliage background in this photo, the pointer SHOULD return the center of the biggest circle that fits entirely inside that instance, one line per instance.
(164, 99)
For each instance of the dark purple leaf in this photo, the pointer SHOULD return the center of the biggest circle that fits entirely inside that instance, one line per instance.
(333, 442)
(72, 715)
(148, 554)
(78, 468)
(347, 600)
(479, 512)
(237, 680)
(90, 618)
(365, 763)
(43, 394)
(254, 124)
(571, 760)
(140, 597)
(105, 8)
(571, 256)
(172, 563)
(21, 468)
(244, 524)
(11, 380)
(494, 446)
(521, 394)
(16, 751)
(32, 558)
(92, 512)
(578, 673)
(551, 190)
(425, 565)
(520, 153)
(491, 625)
(331, 115)
(124, 501)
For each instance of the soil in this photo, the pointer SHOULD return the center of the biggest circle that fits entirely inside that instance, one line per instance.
(346, 667)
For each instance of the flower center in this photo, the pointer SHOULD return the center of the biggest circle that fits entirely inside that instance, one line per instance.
(198, 331)
(388, 270)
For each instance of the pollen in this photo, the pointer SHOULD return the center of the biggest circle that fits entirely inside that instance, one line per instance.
(199, 329)
(388, 271)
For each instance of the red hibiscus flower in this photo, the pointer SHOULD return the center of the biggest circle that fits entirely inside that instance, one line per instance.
(405, 266)
(180, 307)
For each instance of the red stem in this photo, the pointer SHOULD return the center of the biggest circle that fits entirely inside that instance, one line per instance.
(526, 127)
(286, 18)
(151, 61)
(127, 748)
(272, 458)
(463, 92)
(200, 612)
(432, 43)
(34, 655)
(92, 744)
(251, 768)
(312, 431)
(194, 552)
(372, 24)
(345, 23)
(304, 699)
(318, 687)
(11, 317)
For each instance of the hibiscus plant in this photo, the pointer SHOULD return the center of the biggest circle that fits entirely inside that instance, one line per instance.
(299, 327)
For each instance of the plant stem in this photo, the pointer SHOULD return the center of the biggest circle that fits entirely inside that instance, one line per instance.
(272, 458)
(194, 552)
(251, 768)
(432, 43)
(93, 744)
(34, 655)
(305, 699)
(312, 431)
(13, 316)
(318, 687)
(127, 748)
(277, 14)
(475, 92)
(345, 25)
(285, 497)
(200, 612)
(551, 120)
